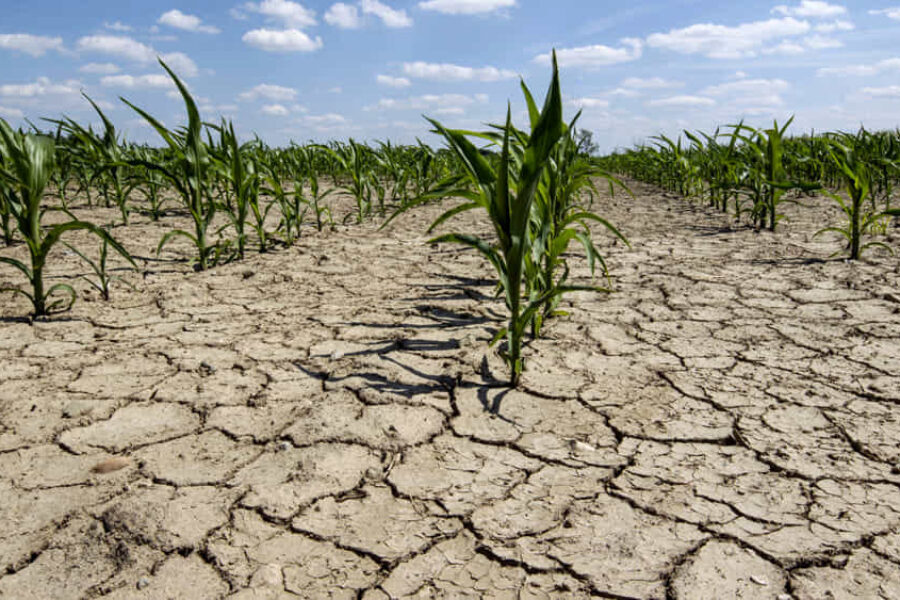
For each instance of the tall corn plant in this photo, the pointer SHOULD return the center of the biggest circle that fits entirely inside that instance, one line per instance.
(26, 171)
(507, 193)
(189, 171)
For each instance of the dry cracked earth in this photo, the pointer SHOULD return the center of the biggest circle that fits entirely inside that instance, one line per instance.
(327, 421)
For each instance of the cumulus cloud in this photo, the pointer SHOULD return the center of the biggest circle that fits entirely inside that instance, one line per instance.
(181, 63)
(449, 72)
(651, 83)
(395, 82)
(432, 102)
(833, 26)
(275, 110)
(722, 41)
(750, 92)
(889, 64)
(33, 45)
(466, 7)
(682, 102)
(42, 86)
(118, 26)
(99, 69)
(291, 14)
(11, 113)
(345, 16)
(811, 8)
(179, 20)
(891, 13)
(150, 81)
(389, 16)
(589, 103)
(891, 91)
(595, 56)
(268, 91)
(115, 45)
(287, 40)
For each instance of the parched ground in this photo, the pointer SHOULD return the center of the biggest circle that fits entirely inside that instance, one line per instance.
(327, 422)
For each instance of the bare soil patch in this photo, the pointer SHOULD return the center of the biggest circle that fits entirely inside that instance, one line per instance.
(328, 421)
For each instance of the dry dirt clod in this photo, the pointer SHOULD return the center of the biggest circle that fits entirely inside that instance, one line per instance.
(111, 465)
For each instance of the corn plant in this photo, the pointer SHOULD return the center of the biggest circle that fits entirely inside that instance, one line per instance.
(101, 272)
(507, 192)
(351, 158)
(27, 170)
(858, 185)
(240, 171)
(189, 171)
(321, 212)
(150, 182)
(558, 219)
(107, 154)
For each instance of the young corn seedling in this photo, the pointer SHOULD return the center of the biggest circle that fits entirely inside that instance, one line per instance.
(321, 212)
(101, 273)
(858, 185)
(26, 170)
(768, 146)
(239, 170)
(108, 155)
(189, 171)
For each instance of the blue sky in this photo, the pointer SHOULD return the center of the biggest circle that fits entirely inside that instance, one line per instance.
(368, 69)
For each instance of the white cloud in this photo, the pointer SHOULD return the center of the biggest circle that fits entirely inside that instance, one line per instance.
(821, 42)
(682, 102)
(448, 72)
(722, 41)
(345, 16)
(833, 26)
(118, 26)
(811, 8)
(395, 82)
(99, 68)
(287, 40)
(291, 14)
(179, 20)
(890, 64)
(150, 81)
(42, 86)
(432, 102)
(275, 110)
(891, 91)
(652, 83)
(466, 7)
(450, 110)
(595, 56)
(750, 92)
(181, 63)
(589, 103)
(325, 122)
(890, 13)
(389, 16)
(269, 91)
(11, 113)
(33, 45)
(116, 45)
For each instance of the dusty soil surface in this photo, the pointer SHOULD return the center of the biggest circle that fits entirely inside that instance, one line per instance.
(326, 421)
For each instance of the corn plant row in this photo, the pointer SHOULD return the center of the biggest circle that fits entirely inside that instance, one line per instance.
(753, 172)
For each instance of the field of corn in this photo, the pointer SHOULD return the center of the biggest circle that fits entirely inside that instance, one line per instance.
(500, 369)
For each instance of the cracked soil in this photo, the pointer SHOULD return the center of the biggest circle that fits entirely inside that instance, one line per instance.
(327, 421)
